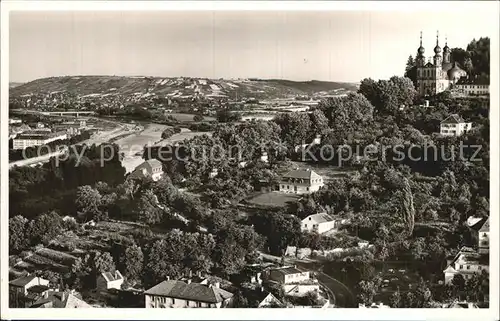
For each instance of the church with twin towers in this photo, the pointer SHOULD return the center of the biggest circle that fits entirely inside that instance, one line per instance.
(438, 73)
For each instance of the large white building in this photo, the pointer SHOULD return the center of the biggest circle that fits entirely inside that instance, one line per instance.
(454, 125)
(318, 223)
(36, 138)
(301, 182)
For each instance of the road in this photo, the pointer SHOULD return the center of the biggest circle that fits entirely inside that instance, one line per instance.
(342, 295)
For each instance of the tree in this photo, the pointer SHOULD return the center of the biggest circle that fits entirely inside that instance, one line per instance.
(147, 208)
(411, 69)
(367, 290)
(395, 300)
(347, 113)
(408, 210)
(387, 96)
(295, 128)
(18, 239)
(133, 261)
(319, 123)
(44, 228)
(226, 116)
(167, 133)
(88, 201)
(103, 262)
(198, 118)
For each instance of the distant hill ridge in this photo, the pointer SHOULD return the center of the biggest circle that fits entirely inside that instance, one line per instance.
(178, 86)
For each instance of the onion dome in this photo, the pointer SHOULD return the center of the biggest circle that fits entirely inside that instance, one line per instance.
(437, 50)
(421, 49)
(455, 73)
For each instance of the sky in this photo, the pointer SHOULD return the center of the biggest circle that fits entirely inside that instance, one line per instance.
(333, 46)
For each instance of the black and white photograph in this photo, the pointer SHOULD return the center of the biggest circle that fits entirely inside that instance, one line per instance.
(335, 156)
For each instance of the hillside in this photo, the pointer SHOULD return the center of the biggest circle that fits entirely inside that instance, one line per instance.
(15, 84)
(176, 87)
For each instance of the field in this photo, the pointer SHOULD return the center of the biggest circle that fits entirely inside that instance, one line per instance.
(188, 117)
(61, 252)
(273, 199)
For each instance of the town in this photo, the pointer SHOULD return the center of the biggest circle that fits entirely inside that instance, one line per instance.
(111, 205)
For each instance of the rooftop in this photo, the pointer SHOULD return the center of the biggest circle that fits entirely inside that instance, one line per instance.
(289, 270)
(486, 226)
(22, 281)
(61, 300)
(453, 119)
(109, 276)
(318, 218)
(192, 292)
(301, 174)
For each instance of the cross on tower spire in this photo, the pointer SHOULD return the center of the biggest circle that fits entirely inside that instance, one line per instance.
(437, 38)
(420, 38)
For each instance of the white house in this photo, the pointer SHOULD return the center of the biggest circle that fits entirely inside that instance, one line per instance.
(110, 280)
(454, 125)
(302, 181)
(289, 274)
(151, 168)
(467, 263)
(179, 294)
(318, 223)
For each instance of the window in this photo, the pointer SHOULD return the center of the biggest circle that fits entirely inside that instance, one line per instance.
(468, 267)
(307, 188)
(461, 267)
(173, 301)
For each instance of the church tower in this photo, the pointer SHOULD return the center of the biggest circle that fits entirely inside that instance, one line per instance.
(420, 60)
(446, 53)
(438, 61)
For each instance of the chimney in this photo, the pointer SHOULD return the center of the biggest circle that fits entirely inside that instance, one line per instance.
(168, 278)
(217, 285)
(188, 281)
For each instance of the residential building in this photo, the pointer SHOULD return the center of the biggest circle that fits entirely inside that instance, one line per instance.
(151, 168)
(36, 138)
(61, 300)
(179, 294)
(270, 301)
(438, 73)
(302, 181)
(110, 280)
(289, 274)
(479, 86)
(23, 290)
(467, 263)
(454, 125)
(318, 223)
(484, 237)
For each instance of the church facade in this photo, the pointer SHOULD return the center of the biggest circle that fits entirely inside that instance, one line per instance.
(438, 73)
